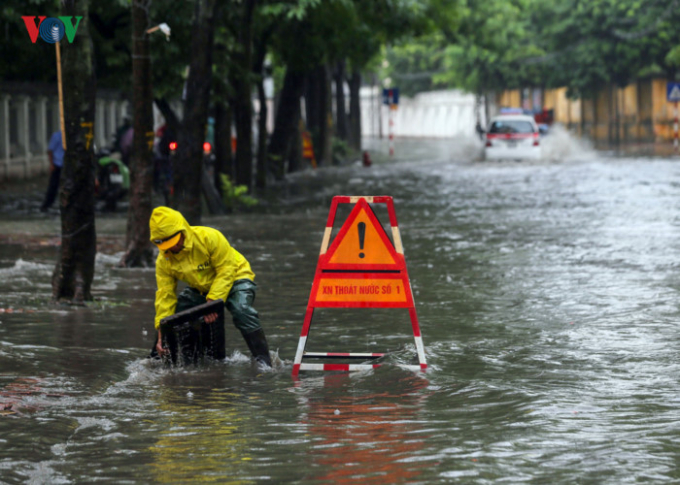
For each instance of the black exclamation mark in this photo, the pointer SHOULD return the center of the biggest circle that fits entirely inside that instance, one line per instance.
(362, 233)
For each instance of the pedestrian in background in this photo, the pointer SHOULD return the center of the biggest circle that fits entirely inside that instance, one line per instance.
(55, 152)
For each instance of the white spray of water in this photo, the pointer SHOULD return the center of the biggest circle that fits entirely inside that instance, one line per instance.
(23, 268)
(562, 145)
(467, 148)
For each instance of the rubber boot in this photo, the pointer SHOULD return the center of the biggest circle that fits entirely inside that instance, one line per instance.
(257, 343)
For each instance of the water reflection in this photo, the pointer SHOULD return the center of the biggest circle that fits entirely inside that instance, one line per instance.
(362, 435)
(202, 430)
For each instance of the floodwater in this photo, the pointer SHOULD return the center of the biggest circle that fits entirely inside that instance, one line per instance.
(547, 294)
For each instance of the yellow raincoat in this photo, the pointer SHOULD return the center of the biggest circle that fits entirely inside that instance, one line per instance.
(207, 262)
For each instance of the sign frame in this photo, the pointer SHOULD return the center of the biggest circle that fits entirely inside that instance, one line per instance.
(353, 273)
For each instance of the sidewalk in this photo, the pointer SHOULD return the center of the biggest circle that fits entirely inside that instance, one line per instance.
(22, 223)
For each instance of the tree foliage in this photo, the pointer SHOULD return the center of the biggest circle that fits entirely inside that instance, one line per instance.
(581, 44)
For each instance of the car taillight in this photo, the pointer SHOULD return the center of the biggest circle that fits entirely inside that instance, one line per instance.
(536, 143)
(173, 146)
(536, 139)
(488, 143)
(207, 147)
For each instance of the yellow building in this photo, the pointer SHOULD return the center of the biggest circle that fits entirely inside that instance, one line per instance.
(637, 113)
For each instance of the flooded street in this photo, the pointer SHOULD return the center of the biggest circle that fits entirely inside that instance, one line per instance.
(547, 294)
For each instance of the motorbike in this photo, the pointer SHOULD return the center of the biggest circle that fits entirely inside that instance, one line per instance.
(113, 180)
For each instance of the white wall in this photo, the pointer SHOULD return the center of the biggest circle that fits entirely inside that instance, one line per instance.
(435, 114)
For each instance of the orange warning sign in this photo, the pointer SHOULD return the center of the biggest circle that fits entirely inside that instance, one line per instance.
(361, 268)
(362, 244)
(361, 291)
(362, 241)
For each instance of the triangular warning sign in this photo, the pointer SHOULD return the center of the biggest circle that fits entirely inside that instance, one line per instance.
(362, 268)
(674, 94)
(362, 244)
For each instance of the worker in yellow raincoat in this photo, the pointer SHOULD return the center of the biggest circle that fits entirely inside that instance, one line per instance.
(203, 258)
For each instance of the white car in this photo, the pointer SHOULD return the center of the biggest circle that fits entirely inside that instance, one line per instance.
(512, 137)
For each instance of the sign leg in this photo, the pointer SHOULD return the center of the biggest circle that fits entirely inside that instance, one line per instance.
(303, 341)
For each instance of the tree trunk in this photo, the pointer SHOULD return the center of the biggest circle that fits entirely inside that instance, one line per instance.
(376, 102)
(139, 251)
(319, 114)
(341, 121)
(286, 122)
(355, 111)
(224, 160)
(312, 108)
(326, 117)
(171, 119)
(73, 274)
(258, 70)
(243, 108)
(261, 179)
(188, 163)
(295, 146)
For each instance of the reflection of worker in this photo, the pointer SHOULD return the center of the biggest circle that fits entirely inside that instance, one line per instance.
(55, 152)
(203, 258)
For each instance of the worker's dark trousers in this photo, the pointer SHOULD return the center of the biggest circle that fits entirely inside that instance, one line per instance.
(239, 303)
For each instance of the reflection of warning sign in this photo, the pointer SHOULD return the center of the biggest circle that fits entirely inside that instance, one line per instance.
(362, 268)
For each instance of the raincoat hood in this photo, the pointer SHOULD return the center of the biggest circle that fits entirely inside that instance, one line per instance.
(166, 222)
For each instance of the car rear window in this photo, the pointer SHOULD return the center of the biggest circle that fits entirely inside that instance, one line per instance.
(511, 126)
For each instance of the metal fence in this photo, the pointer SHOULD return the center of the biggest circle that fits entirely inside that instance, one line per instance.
(29, 114)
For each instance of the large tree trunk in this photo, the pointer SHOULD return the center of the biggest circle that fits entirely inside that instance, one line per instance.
(294, 155)
(355, 111)
(319, 113)
(139, 251)
(341, 123)
(312, 110)
(188, 163)
(73, 274)
(243, 108)
(286, 122)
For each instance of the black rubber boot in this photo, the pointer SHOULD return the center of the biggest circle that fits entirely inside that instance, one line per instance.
(257, 343)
